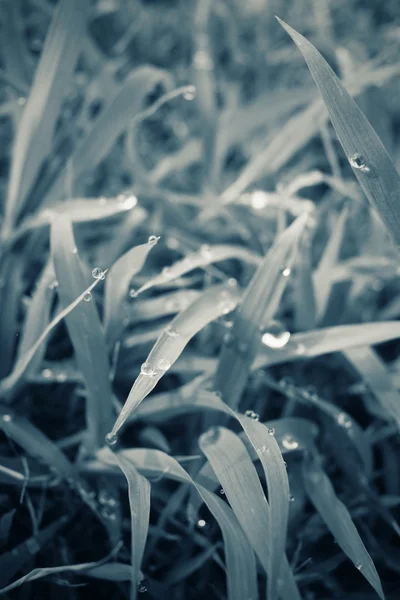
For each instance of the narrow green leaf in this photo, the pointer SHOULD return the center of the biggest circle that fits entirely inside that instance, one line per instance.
(256, 309)
(370, 162)
(84, 329)
(139, 502)
(214, 303)
(36, 128)
(338, 520)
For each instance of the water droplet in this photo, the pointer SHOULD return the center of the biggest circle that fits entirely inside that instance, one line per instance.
(291, 498)
(205, 251)
(166, 272)
(211, 436)
(201, 523)
(228, 339)
(21, 101)
(128, 202)
(163, 364)
(108, 512)
(53, 285)
(142, 586)
(132, 293)
(87, 297)
(111, 439)
(7, 418)
(286, 272)
(252, 415)
(357, 161)
(74, 250)
(98, 273)
(275, 336)
(271, 431)
(344, 420)
(153, 239)
(222, 492)
(289, 442)
(300, 349)
(147, 368)
(218, 393)
(226, 304)
(171, 332)
(359, 566)
(47, 373)
(190, 93)
(61, 377)
(259, 200)
(106, 500)
(232, 282)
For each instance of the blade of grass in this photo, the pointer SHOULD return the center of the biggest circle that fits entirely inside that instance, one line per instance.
(305, 312)
(36, 128)
(256, 309)
(84, 329)
(212, 304)
(139, 503)
(338, 520)
(376, 375)
(367, 156)
(239, 556)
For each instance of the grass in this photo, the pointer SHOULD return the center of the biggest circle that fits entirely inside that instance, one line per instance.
(199, 308)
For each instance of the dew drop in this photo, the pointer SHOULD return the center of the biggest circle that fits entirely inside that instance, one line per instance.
(286, 272)
(205, 251)
(359, 566)
(300, 349)
(357, 161)
(142, 586)
(259, 200)
(211, 436)
(252, 415)
(228, 339)
(153, 239)
(7, 418)
(98, 273)
(171, 332)
(289, 442)
(190, 93)
(222, 492)
(163, 364)
(87, 297)
(21, 101)
(61, 377)
(291, 498)
(47, 373)
(147, 368)
(53, 285)
(226, 304)
(166, 272)
(344, 420)
(111, 439)
(132, 293)
(74, 250)
(271, 431)
(201, 523)
(275, 336)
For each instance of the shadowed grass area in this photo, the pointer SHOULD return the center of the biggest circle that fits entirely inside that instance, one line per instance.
(199, 302)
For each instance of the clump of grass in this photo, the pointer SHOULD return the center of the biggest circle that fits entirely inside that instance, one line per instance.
(199, 347)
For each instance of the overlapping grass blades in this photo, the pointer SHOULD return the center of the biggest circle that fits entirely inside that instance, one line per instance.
(338, 520)
(256, 309)
(34, 136)
(234, 469)
(84, 329)
(240, 561)
(213, 303)
(371, 163)
(377, 377)
(139, 503)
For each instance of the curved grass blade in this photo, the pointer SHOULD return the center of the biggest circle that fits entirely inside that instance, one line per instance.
(36, 128)
(84, 329)
(330, 339)
(256, 309)
(376, 375)
(305, 313)
(117, 285)
(338, 520)
(6, 522)
(371, 163)
(212, 304)
(233, 467)
(205, 256)
(239, 556)
(162, 306)
(139, 502)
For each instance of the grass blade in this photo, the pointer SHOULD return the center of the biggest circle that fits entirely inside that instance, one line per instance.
(139, 502)
(257, 308)
(84, 329)
(214, 303)
(376, 375)
(338, 520)
(36, 128)
(239, 556)
(371, 163)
